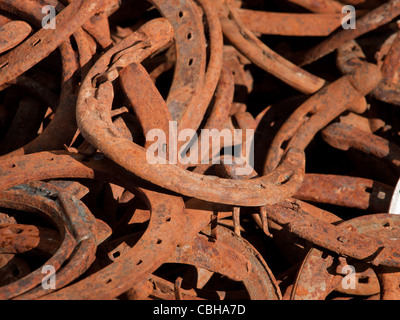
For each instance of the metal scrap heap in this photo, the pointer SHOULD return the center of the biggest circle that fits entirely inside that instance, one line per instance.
(199, 149)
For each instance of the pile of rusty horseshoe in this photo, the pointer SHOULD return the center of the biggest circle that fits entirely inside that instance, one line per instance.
(85, 215)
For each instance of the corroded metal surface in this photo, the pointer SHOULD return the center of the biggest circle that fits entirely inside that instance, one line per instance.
(233, 87)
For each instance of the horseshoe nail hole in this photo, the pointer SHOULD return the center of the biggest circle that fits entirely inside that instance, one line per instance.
(190, 62)
(386, 225)
(325, 255)
(309, 115)
(51, 159)
(285, 179)
(5, 64)
(159, 241)
(180, 14)
(15, 272)
(16, 230)
(246, 37)
(116, 254)
(189, 36)
(168, 219)
(368, 190)
(108, 281)
(37, 42)
(363, 280)
(139, 262)
(284, 144)
(13, 165)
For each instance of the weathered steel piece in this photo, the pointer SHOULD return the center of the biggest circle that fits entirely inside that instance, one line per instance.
(145, 254)
(20, 238)
(346, 191)
(73, 223)
(99, 132)
(346, 93)
(319, 276)
(191, 54)
(321, 6)
(52, 138)
(335, 238)
(350, 55)
(12, 34)
(237, 260)
(368, 22)
(250, 268)
(290, 24)
(344, 137)
(261, 55)
(45, 41)
(389, 88)
(152, 249)
(125, 72)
